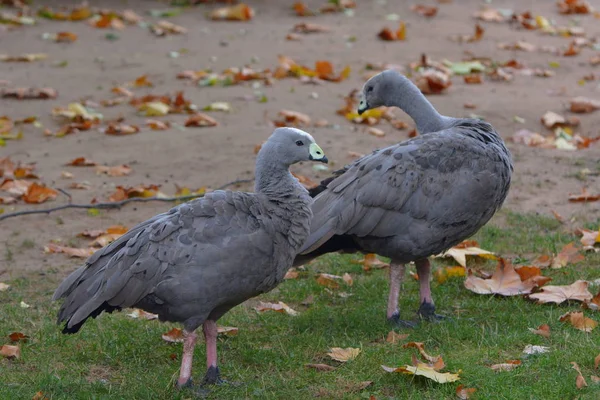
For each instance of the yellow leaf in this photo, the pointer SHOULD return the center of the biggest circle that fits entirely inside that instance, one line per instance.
(460, 254)
(579, 321)
(426, 371)
(154, 109)
(343, 355)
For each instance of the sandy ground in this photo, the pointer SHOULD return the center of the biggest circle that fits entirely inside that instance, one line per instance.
(197, 157)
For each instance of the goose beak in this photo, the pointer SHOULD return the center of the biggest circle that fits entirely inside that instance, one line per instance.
(317, 154)
(362, 106)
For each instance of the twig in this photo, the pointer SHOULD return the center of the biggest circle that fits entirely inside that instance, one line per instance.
(118, 204)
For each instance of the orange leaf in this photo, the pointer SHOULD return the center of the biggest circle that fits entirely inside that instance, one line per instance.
(70, 251)
(328, 280)
(37, 194)
(81, 162)
(579, 321)
(464, 393)
(68, 37)
(584, 196)
(142, 81)
(175, 335)
(239, 12)
(302, 10)
(371, 261)
(201, 120)
(542, 330)
(157, 125)
(18, 337)
(580, 380)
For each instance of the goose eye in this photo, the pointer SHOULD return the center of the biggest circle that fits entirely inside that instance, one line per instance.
(369, 89)
(299, 143)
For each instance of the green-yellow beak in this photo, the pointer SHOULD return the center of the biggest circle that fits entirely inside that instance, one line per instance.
(316, 153)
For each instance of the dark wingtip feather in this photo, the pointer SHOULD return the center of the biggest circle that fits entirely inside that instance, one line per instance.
(314, 192)
(75, 328)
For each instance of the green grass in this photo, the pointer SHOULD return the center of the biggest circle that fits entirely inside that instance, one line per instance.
(121, 358)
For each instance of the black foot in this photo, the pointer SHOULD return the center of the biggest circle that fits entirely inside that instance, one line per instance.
(427, 312)
(396, 322)
(212, 377)
(189, 384)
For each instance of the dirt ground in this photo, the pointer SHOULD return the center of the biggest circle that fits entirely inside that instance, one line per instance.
(196, 157)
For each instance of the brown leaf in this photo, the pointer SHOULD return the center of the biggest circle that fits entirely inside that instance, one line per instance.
(557, 294)
(302, 10)
(18, 337)
(506, 366)
(431, 81)
(489, 15)
(157, 125)
(425, 370)
(291, 274)
(292, 118)
(280, 307)
(307, 27)
(464, 393)
(138, 313)
(28, 93)
(583, 105)
(580, 380)
(201, 120)
(388, 35)
(81, 162)
(66, 37)
(320, 367)
(175, 335)
(39, 396)
(505, 281)
(227, 330)
(371, 261)
(573, 7)
(343, 354)
(239, 12)
(473, 79)
(584, 196)
(37, 194)
(328, 280)
(542, 330)
(568, 255)
(597, 361)
(118, 170)
(121, 129)
(394, 337)
(10, 352)
(579, 321)
(70, 251)
(425, 11)
(532, 273)
(348, 279)
(421, 347)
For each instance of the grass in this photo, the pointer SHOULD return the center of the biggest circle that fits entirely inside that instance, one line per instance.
(118, 357)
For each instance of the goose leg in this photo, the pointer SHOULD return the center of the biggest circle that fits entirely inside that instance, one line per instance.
(393, 314)
(212, 375)
(185, 374)
(427, 308)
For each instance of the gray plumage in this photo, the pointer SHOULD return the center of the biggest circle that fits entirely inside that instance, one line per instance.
(416, 198)
(201, 258)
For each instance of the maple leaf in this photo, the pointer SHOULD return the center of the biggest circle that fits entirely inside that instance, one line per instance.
(10, 352)
(506, 366)
(568, 255)
(370, 261)
(542, 330)
(70, 251)
(37, 194)
(505, 281)
(239, 12)
(425, 370)
(280, 307)
(464, 249)
(558, 294)
(343, 354)
(532, 273)
(138, 313)
(579, 321)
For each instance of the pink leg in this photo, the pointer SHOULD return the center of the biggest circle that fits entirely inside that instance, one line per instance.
(396, 277)
(212, 375)
(427, 308)
(185, 374)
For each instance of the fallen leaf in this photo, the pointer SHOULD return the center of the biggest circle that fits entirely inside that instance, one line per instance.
(138, 313)
(394, 337)
(542, 330)
(218, 106)
(583, 105)
(175, 335)
(442, 274)
(70, 251)
(37, 194)
(65, 37)
(157, 125)
(589, 238)
(389, 35)
(10, 352)
(424, 370)
(580, 380)
(320, 367)
(506, 366)
(118, 129)
(597, 362)
(473, 79)
(39, 396)
(343, 354)
(518, 45)
(425, 11)
(573, 7)
(531, 349)
(421, 348)
(18, 337)
(154, 109)
(579, 321)
(278, 307)
(568, 255)
(81, 162)
(584, 196)
(239, 12)
(460, 253)
(307, 27)
(348, 279)
(4, 286)
(23, 57)
(489, 15)
(375, 132)
(595, 379)
(505, 281)
(118, 170)
(328, 280)
(577, 291)
(227, 330)
(464, 393)
(201, 120)
(291, 274)
(302, 10)
(370, 261)
(532, 273)
(431, 81)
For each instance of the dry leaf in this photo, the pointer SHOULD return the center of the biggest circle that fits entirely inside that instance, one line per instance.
(442, 274)
(464, 249)
(557, 294)
(39, 396)
(157, 125)
(568, 255)
(426, 11)
(505, 281)
(118, 170)
(584, 196)
(292, 118)
(506, 366)
(394, 337)
(10, 352)
(81, 162)
(278, 307)
(464, 393)
(579, 321)
(320, 367)
(302, 10)
(432, 81)
(573, 7)
(421, 347)
(328, 280)
(18, 337)
(29, 93)
(138, 313)
(389, 35)
(307, 27)
(201, 120)
(227, 330)
(424, 370)
(175, 335)
(583, 105)
(532, 273)
(4, 286)
(291, 274)
(70, 251)
(343, 354)
(348, 279)
(489, 15)
(370, 261)
(239, 12)
(542, 330)
(589, 238)
(375, 132)
(121, 129)
(37, 194)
